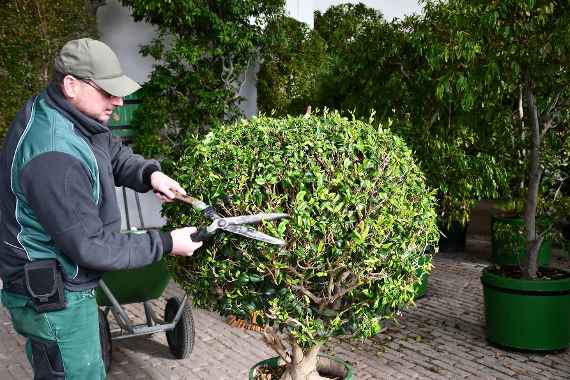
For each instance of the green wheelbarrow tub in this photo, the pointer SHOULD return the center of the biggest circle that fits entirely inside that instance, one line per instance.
(135, 285)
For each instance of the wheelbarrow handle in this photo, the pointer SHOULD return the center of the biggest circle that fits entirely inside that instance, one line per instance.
(200, 235)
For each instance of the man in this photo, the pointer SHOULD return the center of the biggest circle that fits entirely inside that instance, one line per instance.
(60, 220)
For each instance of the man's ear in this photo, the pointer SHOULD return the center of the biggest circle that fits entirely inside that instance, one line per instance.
(70, 87)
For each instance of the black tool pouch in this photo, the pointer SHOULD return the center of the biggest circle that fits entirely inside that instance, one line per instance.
(45, 285)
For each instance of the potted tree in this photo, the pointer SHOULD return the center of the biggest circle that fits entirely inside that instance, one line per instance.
(361, 220)
(508, 240)
(391, 67)
(514, 55)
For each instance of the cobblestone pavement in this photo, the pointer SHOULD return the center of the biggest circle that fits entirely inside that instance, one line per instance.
(441, 338)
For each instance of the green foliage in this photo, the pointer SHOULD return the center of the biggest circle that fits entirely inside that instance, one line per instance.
(31, 34)
(381, 66)
(203, 50)
(456, 165)
(367, 69)
(289, 74)
(295, 70)
(510, 56)
(342, 24)
(362, 220)
(390, 71)
(554, 200)
(511, 232)
(452, 78)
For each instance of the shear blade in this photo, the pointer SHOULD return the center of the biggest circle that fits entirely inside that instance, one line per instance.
(256, 218)
(252, 234)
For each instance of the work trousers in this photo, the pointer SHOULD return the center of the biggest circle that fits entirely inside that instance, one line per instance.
(61, 344)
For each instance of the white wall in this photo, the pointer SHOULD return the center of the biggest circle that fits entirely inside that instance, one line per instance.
(302, 10)
(118, 30)
(248, 91)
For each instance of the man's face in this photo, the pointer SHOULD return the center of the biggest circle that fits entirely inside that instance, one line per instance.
(94, 101)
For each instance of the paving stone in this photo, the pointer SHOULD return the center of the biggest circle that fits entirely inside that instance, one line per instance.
(449, 321)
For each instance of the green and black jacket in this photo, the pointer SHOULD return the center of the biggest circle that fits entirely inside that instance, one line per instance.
(58, 172)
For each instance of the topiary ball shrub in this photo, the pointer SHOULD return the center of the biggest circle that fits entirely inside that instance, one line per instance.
(361, 221)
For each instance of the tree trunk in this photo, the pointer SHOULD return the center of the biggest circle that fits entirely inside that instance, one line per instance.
(533, 242)
(303, 365)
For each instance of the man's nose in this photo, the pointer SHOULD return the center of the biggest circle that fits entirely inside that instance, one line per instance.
(117, 101)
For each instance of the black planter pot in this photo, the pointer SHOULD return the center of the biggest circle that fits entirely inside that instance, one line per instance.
(453, 238)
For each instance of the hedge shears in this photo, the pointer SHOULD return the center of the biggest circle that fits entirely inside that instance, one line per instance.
(234, 224)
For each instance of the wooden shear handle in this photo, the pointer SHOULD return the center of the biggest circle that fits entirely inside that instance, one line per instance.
(181, 197)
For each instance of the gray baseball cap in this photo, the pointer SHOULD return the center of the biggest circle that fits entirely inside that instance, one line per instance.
(91, 59)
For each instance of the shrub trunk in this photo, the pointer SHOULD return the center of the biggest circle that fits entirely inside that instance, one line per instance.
(303, 365)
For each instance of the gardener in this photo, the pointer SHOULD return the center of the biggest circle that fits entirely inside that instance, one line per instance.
(60, 220)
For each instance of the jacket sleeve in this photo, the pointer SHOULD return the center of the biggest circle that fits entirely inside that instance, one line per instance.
(58, 189)
(129, 169)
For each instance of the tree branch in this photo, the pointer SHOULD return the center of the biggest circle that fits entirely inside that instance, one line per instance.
(274, 341)
(227, 75)
(294, 271)
(548, 124)
(298, 354)
(552, 105)
(305, 291)
(401, 67)
(330, 288)
(521, 108)
(342, 291)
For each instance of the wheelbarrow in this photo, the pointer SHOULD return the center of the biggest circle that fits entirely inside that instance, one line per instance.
(119, 288)
(142, 285)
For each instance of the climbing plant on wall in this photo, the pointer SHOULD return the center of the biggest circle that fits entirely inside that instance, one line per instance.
(31, 33)
(204, 49)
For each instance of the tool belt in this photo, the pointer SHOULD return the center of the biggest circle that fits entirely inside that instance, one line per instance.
(43, 283)
(17, 286)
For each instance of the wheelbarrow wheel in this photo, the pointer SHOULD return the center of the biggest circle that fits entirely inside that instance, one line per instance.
(181, 338)
(105, 338)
